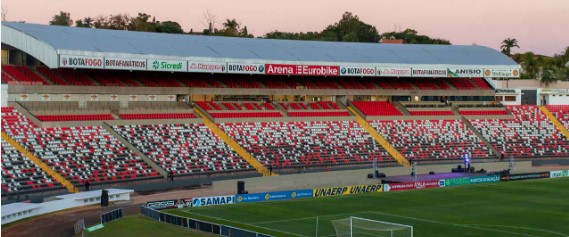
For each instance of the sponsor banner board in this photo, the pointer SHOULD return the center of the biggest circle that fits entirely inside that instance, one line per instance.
(464, 72)
(71, 61)
(357, 71)
(272, 196)
(472, 180)
(347, 190)
(306, 70)
(215, 200)
(184, 202)
(429, 72)
(206, 67)
(167, 65)
(246, 68)
(125, 64)
(164, 204)
(515, 177)
(391, 187)
(393, 71)
(559, 174)
(501, 72)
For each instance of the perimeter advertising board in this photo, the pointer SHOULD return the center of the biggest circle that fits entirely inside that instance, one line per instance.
(211, 67)
(357, 71)
(167, 65)
(429, 72)
(347, 190)
(302, 70)
(273, 196)
(70, 61)
(501, 73)
(164, 204)
(464, 72)
(125, 64)
(393, 71)
(516, 177)
(472, 180)
(559, 174)
(215, 200)
(246, 68)
(392, 187)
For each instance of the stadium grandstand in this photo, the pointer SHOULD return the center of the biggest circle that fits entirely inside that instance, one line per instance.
(126, 109)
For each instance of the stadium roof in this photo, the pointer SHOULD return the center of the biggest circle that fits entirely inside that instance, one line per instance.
(47, 42)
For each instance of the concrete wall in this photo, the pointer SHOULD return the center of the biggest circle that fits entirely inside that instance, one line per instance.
(347, 177)
(529, 84)
(4, 95)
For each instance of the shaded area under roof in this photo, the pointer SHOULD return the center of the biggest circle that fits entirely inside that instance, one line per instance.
(181, 45)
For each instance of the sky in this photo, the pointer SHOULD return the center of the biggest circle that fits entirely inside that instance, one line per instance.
(541, 26)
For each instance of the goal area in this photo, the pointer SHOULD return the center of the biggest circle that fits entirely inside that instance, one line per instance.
(360, 227)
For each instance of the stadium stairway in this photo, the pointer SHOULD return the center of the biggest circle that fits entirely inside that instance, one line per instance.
(379, 139)
(134, 150)
(66, 183)
(554, 120)
(401, 108)
(261, 169)
(480, 136)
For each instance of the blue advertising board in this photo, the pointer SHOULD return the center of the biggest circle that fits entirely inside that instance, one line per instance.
(272, 196)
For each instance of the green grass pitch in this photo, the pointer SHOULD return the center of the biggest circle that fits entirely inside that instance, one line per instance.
(534, 208)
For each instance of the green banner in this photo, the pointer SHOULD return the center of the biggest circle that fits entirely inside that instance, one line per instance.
(472, 180)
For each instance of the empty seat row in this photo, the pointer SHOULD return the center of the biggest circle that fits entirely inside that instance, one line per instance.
(561, 113)
(529, 134)
(75, 117)
(21, 175)
(268, 114)
(377, 108)
(319, 114)
(300, 144)
(432, 139)
(184, 149)
(483, 112)
(431, 113)
(78, 153)
(158, 116)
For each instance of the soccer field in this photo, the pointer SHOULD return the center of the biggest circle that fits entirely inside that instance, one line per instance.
(534, 208)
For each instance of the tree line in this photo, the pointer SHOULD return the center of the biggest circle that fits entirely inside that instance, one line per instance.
(547, 69)
(349, 28)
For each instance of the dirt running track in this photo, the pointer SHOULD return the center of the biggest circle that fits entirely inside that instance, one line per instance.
(60, 224)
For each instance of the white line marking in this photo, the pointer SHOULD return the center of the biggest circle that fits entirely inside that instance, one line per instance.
(524, 228)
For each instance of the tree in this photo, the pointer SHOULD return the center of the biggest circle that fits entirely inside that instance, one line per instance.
(62, 19)
(548, 75)
(142, 23)
(530, 65)
(232, 28)
(101, 22)
(119, 22)
(411, 36)
(350, 28)
(508, 44)
(86, 22)
(169, 27)
(4, 13)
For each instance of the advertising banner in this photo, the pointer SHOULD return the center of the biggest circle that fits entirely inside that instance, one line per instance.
(472, 180)
(429, 72)
(271, 196)
(515, 177)
(357, 71)
(308, 70)
(347, 190)
(206, 67)
(164, 204)
(216, 200)
(167, 65)
(125, 64)
(185, 202)
(243, 68)
(464, 72)
(501, 73)
(393, 71)
(391, 187)
(559, 174)
(70, 61)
